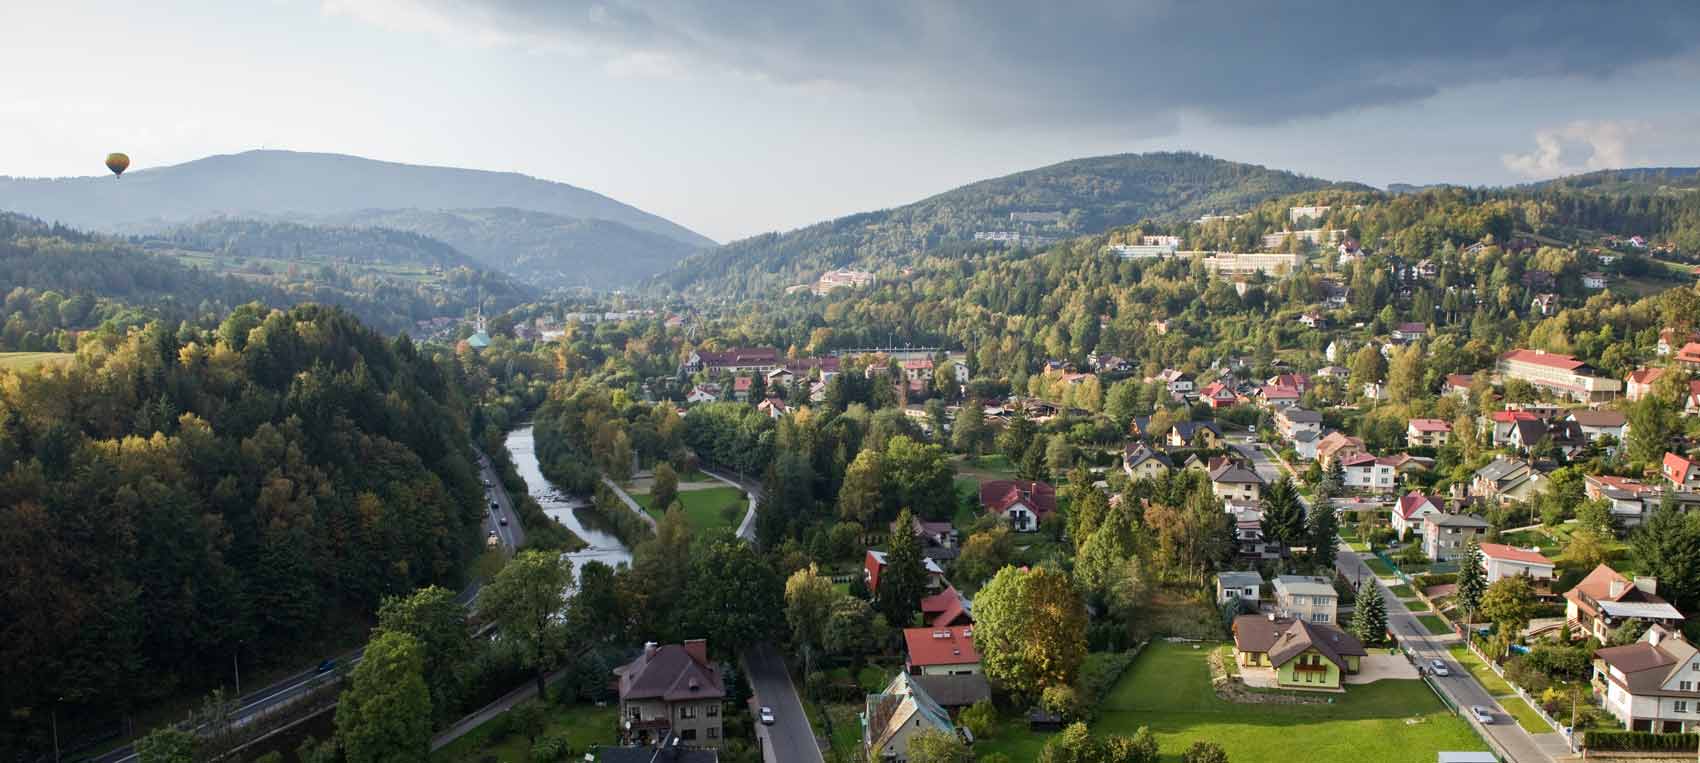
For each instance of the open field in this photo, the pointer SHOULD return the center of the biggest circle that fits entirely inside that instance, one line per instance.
(18, 361)
(702, 507)
(1168, 690)
(583, 726)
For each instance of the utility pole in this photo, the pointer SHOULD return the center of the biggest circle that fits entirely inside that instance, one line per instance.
(56, 729)
(236, 667)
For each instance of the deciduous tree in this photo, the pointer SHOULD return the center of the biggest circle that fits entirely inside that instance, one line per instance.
(525, 600)
(1030, 628)
(385, 714)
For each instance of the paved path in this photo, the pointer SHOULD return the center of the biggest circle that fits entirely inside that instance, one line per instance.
(746, 528)
(465, 725)
(790, 739)
(627, 499)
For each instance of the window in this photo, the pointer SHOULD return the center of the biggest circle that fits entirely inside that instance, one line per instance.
(637, 715)
(713, 733)
(713, 710)
(689, 735)
(1680, 706)
(686, 711)
(1685, 686)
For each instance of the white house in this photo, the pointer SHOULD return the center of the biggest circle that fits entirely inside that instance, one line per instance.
(703, 393)
(1409, 511)
(1312, 599)
(1653, 684)
(1245, 586)
(1601, 423)
(1366, 472)
(1502, 561)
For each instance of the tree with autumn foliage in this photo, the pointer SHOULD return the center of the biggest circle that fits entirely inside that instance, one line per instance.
(1030, 629)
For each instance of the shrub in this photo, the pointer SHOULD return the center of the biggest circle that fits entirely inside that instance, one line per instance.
(553, 749)
(1062, 700)
(1639, 741)
(1099, 672)
(981, 719)
(1521, 671)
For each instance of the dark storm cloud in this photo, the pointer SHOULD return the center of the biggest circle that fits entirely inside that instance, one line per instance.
(1241, 62)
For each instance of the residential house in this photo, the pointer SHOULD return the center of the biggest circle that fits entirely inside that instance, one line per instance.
(873, 563)
(1504, 480)
(1426, 269)
(947, 608)
(1458, 385)
(1336, 445)
(1022, 503)
(1305, 655)
(1188, 434)
(1628, 497)
(1336, 350)
(894, 716)
(1218, 395)
(1312, 319)
(1444, 535)
(1691, 402)
(1233, 482)
(1600, 424)
(1249, 542)
(1411, 509)
(1651, 685)
(1300, 382)
(918, 369)
(1503, 424)
(780, 378)
(1605, 600)
(774, 407)
(1566, 436)
(941, 651)
(1669, 341)
(741, 387)
(706, 392)
(1307, 597)
(1681, 472)
(1141, 462)
(1559, 374)
(1245, 586)
(1502, 561)
(670, 690)
(1374, 391)
(1406, 333)
(1332, 372)
(1544, 304)
(842, 279)
(1179, 383)
(954, 692)
(1689, 356)
(1291, 421)
(1369, 473)
(1278, 397)
(1304, 444)
(1595, 280)
(1427, 433)
(1639, 383)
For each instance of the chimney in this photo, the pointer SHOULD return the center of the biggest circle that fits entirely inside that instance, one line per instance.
(1648, 584)
(649, 648)
(1655, 634)
(1616, 589)
(697, 648)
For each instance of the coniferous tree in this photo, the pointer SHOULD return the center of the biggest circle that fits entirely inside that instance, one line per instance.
(903, 580)
(1369, 623)
(1283, 515)
(1472, 579)
(1324, 532)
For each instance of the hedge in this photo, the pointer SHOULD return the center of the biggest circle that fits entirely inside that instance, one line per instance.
(1639, 741)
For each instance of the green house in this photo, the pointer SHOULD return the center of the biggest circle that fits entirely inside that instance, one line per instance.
(1304, 655)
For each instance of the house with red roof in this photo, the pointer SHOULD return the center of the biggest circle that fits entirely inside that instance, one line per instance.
(741, 387)
(1278, 397)
(1681, 472)
(1218, 395)
(1559, 374)
(1502, 561)
(1504, 425)
(1409, 511)
(1639, 382)
(941, 651)
(1022, 503)
(1458, 384)
(1300, 382)
(873, 563)
(1406, 333)
(1691, 405)
(1336, 445)
(947, 608)
(774, 407)
(1427, 433)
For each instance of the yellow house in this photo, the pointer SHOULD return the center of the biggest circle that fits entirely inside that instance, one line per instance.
(1141, 462)
(1305, 655)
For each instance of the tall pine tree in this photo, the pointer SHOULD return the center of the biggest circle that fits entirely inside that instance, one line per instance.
(1472, 579)
(1283, 516)
(903, 581)
(1324, 532)
(1369, 624)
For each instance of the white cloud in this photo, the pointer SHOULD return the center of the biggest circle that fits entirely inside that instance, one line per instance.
(1581, 146)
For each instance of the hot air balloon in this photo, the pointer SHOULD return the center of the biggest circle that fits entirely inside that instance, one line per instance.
(117, 163)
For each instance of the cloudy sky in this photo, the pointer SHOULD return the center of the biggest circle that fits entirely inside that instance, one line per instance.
(735, 117)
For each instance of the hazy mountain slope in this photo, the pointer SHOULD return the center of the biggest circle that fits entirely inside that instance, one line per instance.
(292, 241)
(1091, 195)
(289, 183)
(1632, 180)
(538, 247)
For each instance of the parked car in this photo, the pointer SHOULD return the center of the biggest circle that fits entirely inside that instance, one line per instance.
(1439, 668)
(767, 716)
(1482, 713)
(503, 519)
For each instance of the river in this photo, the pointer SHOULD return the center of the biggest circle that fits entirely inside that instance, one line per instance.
(569, 510)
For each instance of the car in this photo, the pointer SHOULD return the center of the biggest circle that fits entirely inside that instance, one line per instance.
(767, 716)
(503, 520)
(486, 483)
(326, 666)
(1438, 668)
(1481, 713)
(495, 506)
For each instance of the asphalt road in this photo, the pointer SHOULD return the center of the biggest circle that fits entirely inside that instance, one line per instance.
(747, 527)
(790, 739)
(511, 535)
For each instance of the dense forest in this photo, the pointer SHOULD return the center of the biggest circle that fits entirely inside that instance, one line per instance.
(1089, 195)
(60, 282)
(176, 494)
(291, 241)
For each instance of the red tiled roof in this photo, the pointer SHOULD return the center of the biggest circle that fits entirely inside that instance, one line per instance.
(941, 646)
(1512, 417)
(1513, 554)
(1676, 467)
(1689, 353)
(1410, 502)
(1272, 392)
(1548, 359)
(999, 495)
(742, 383)
(1645, 375)
(1430, 425)
(1459, 380)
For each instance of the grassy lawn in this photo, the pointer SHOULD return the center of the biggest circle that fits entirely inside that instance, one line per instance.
(1434, 624)
(702, 507)
(1168, 690)
(1525, 715)
(19, 361)
(1378, 567)
(1489, 680)
(583, 725)
(1403, 591)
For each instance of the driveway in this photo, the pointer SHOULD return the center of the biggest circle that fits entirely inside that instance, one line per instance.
(790, 739)
(1379, 664)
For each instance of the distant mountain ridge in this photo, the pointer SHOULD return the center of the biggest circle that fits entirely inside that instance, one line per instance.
(1071, 198)
(1626, 180)
(293, 183)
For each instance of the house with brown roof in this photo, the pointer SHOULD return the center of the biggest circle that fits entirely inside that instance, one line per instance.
(671, 690)
(1305, 655)
(1605, 600)
(1234, 482)
(1502, 561)
(945, 651)
(1628, 496)
(1600, 424)
(894, 716)
(1427, 433)
(1639, 382)
(1336, 445)
(1141, 462)
(947, 608)
(1651, 685)
(1022, 503)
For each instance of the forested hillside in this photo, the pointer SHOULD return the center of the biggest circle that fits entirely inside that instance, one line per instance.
(284, 240)
(176, 493)
(539, 247)
(60, 281)
(1089, 195)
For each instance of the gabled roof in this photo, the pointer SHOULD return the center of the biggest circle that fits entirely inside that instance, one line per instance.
(1429, 425)
(1456, 520)
(1512, 417)
(947, 608)
(1506, 553)
(1300, 416)
(914, 704)
(1460, 380)
(1500, 468)
(1285, 638)
(1186, 429)
(1234, 474)
(959, 690)
(999, 495)
(1239, 579)
(672, 673)
(1645, 375)
(1647, 666)
(1138, 453)
(1600, 418)
(1275, 392)
(952, 645)
(1412, 502)
(1548, 359)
